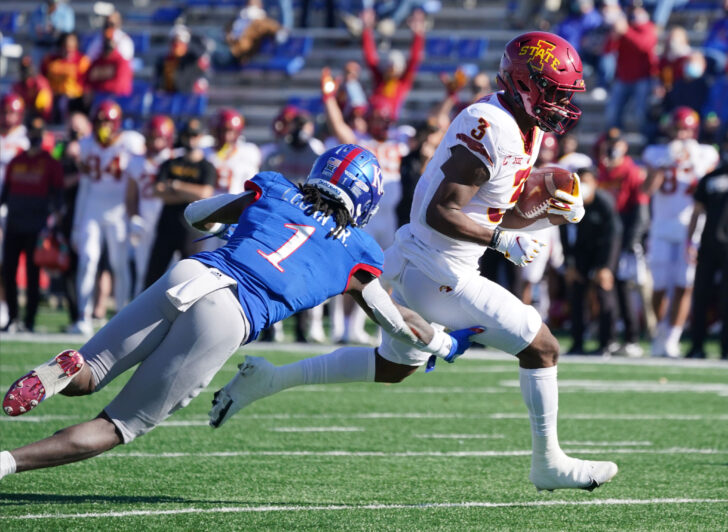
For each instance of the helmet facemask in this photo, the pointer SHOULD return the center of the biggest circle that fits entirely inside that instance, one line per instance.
(553, 109)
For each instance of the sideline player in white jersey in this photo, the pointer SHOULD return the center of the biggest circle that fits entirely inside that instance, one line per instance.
(390, 145)
(235, 160)
(13, 140)
(474, 178)
(142, 206)
(100, 216)
(674, 170)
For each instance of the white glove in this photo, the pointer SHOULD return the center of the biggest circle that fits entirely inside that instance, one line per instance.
(137, 228)
(519, 248)
(567, 205)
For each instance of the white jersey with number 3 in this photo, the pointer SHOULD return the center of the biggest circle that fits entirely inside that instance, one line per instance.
(684, 163)
(489, 131)
(143, 170)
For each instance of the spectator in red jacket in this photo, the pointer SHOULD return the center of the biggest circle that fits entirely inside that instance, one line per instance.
(34, 89)
(32, 191)
(110, 73)
(619, 175)
(393, 75)
(633, 39)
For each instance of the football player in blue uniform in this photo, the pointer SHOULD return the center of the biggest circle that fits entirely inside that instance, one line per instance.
(293, 248)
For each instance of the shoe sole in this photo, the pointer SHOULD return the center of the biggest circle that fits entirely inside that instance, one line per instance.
(27, 392)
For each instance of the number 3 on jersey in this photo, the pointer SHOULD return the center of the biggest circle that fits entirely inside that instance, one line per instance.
(302, 233)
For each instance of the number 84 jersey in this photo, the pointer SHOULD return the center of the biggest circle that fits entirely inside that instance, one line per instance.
(283, 259)
(683, 163)
(488, 130)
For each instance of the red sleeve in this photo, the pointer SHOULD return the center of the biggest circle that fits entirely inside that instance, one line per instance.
(251, 185)
(369, 49)
(124, 77)
(415, 58)
(636, 178)
(644, 37)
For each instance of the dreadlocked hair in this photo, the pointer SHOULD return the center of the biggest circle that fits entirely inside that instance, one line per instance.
(319, 202)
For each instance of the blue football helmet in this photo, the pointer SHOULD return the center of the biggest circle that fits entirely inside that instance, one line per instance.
(350, 175)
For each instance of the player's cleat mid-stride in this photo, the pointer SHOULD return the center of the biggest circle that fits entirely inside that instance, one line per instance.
(44, 381)
(572, 473)
(253, 381)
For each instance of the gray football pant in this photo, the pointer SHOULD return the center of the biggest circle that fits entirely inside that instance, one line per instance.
(178, 352)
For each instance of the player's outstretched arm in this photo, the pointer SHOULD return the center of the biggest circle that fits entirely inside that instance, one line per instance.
(334, 116)
(402, 323)
(220, 209)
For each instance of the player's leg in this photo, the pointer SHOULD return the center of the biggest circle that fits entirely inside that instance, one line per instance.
(175, 367)
(680, 301)
(11, 256)
(661, 269)
(705, 272)
(117, 246)
(89, 253)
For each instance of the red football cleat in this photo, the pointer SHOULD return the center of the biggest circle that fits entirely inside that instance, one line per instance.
(29, 390)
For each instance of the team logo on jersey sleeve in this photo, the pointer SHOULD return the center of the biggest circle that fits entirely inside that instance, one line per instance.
(540, 55)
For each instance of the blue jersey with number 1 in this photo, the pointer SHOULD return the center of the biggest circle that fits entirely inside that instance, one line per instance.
(283, 260)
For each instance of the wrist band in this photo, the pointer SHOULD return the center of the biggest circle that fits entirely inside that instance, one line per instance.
(495, 239)
(439, 345)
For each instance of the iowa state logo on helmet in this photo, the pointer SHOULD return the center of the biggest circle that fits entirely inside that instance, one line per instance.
(540, 54)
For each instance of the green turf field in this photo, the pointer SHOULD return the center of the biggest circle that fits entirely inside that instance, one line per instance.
(444, 451)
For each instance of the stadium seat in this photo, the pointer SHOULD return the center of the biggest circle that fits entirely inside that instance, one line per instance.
(288, 57)
(9, 22)
(142, 43)
(166, 104)
(166, 15)
(312, 104)
(192, 104)
(438, 54)
(471, 49)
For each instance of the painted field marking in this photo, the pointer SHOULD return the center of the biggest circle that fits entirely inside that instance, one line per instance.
(407, 454)
(200, 421)
(316, 429)
(461, 436)
(350, 507)
(607, 443)
(651, 386)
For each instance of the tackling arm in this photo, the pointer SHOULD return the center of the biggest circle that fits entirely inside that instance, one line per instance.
(402, 323)
(334, 116)
(221, 209)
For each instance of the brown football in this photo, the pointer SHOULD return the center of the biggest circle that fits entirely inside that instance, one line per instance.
(540, 187)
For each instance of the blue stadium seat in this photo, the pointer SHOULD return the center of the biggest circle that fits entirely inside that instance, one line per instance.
(166, 15)
(9, 22)
(471, 49)
(288, 57)
(192, 104)
(438, 54)
(142, 43)
(312, 104)
(167, 104)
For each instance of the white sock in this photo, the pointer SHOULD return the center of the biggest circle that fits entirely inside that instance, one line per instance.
(7, 464)
(674, 334)
(347, 364)
(540, 391)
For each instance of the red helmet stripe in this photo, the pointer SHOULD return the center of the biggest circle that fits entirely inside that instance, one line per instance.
(346, 162)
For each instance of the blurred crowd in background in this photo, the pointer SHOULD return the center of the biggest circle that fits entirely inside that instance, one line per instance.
(92, 210)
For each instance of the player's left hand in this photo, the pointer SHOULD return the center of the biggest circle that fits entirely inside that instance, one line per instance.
(570, 206)
(461, 342)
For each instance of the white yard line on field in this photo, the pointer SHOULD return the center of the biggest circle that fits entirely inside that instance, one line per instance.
(407, 454)
(472, 354)
(607, 443)
(200, 421)
(461, 436)
(354, 507)
(316, 429)
(618, 386)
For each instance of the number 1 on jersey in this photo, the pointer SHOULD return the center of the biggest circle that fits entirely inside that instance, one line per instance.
(303, 233)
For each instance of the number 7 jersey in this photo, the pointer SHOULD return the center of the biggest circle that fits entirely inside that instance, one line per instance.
(488, 130)
(283, 260)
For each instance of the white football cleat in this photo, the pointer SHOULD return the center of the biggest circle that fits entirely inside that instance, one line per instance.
(253, 381)
(572, 473)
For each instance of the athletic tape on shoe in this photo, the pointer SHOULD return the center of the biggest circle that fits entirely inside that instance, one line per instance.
(52, 377)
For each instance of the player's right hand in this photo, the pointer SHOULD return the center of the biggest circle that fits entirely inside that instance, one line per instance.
(519, 248)
(328, 83)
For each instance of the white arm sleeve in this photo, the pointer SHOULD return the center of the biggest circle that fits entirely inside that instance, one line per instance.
(391, 320)
(198, 210)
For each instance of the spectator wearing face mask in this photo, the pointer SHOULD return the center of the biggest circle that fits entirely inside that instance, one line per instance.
(110, 73)
(111, 30)
(32, 191)
(634, 40)
(692, 88)
(183, 68)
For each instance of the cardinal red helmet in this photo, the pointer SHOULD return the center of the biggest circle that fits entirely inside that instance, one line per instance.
(108, 111)
(282, 122)
(684, 118)
(160, 126)
(541, 72)
(12, 108)
(227, 125)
